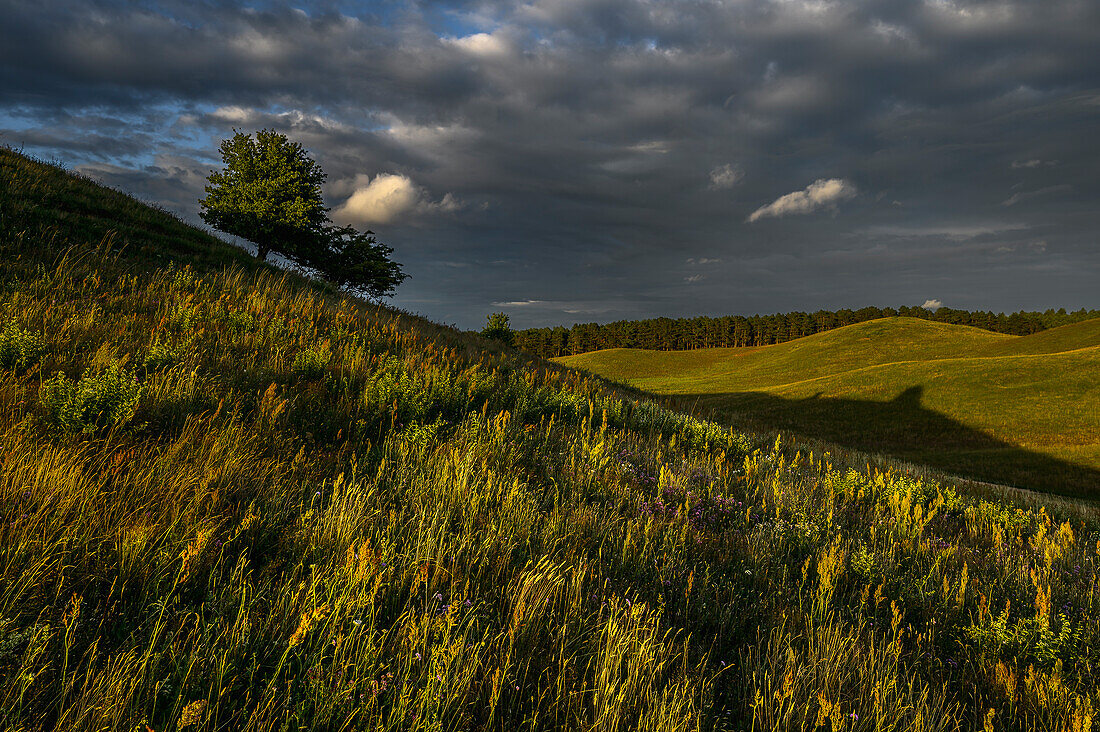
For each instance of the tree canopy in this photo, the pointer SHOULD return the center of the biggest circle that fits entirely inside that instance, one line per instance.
(268, 193)
(355, 260)
(498, 328)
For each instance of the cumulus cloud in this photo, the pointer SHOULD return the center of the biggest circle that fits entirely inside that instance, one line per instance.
(725, 176)
(483, 45)
(932, 304)
(820, 193)
(380, 201)
(387, 198)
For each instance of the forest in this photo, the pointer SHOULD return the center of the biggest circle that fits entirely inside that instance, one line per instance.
(738, 331)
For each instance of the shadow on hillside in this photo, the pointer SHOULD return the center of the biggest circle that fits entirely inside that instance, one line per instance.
(902, 428)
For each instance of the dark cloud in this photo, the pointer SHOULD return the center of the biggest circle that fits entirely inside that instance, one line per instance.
(580, 159)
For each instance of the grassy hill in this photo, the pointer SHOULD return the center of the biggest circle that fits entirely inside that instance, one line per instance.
(232, 499)
(844, 349)
(1056, 340)
(1019, 410)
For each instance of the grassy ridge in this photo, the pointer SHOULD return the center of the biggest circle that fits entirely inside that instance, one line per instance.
(823, 354)
(41, 203)
(1020, 410)
(248, 503)
(1056, 340)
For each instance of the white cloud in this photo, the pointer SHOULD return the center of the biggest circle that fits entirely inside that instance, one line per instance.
(694, 278)
(651, 147)
(932, 304)
(890, 31)
(233, 114)
(516, 303)
(387, 198)
(1024, 195)
(725, 176)
(820, 193)
(1026, 163)
(484, 45)
(954, 232)
(703, 260)
(381, 201)
(248, 117)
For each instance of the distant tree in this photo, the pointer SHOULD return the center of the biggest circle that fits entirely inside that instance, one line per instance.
(498, 328)
(356, 261)
(268, 193)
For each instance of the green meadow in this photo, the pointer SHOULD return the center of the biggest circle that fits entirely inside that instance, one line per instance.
(1018, 410)
(232, 498)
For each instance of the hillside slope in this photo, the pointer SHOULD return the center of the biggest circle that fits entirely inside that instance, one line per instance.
(41, 203)
(1056, 340)
(232, 499)
(886, 340)
(994, 407)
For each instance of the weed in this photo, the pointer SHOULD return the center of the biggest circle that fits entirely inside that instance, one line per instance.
(20, 349)
(108, 398)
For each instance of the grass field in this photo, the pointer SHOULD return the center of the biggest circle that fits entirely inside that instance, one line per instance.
(234, 499)
(1018, 410)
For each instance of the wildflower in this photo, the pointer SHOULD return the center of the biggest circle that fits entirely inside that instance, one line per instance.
(418, 658)
(309, 619)
(357, 621)
(192, 713)
(748, 571)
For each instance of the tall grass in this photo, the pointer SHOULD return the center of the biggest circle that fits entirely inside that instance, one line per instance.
(319, 514)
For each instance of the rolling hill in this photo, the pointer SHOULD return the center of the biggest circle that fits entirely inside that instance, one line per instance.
(1023, 410)
(235, 499)
(1071, 337)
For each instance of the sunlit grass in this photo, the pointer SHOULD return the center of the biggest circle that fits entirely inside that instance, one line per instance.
(998, 408)
(322, 514)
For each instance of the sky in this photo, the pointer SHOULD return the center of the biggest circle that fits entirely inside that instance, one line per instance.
(573, 161)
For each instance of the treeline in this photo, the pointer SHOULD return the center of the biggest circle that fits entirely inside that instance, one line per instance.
(675, 334)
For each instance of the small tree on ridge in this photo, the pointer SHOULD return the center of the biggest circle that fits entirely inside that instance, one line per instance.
(498, 328)
(268, 193)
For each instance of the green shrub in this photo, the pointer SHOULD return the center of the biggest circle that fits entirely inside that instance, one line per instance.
(161, 356)
(183, 318)
(19, 349)
(311, 363)
(239, 322)
(97, 400)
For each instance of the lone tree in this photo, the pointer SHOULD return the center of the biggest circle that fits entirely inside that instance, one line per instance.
(269, 193)
(498, 328)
